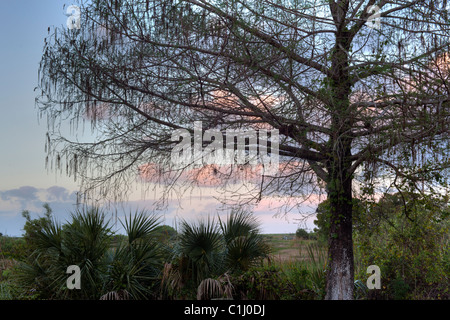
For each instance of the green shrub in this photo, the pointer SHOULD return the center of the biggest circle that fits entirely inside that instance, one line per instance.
(299, 278)
(302, 234)
(399, 288)
(12, 247)
(209, 249)
(409, 244)
(262, 283)
(110, 266)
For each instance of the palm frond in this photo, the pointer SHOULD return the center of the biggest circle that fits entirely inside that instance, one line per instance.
(215, 288)
(116, 295)
(209, 288)
(238, 223)
(140, 225)
(201, 243)
(138, 260)
(244, 243)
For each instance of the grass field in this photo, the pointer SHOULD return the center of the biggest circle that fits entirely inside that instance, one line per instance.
(289, 248)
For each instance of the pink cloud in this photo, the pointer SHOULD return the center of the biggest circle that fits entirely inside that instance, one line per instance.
(212, 175)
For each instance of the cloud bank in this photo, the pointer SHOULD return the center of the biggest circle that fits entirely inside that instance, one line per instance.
(14, 201)
(63, 201)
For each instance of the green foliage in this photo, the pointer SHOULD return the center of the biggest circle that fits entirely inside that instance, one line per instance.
(398, 289)
(208, 249)
(165, 233)
(308, 277)
(138, 258)
(33, 226)
(406, 235)
(323, 218)
(108, 264)
(303, 234)
(317, 268)
(133, 265)
(262, 283)
(199, 248)
(361, 290)
(83, 242)
(5, 291)
(304, 280)
(12, 247)
(244, 244)
(300, 279)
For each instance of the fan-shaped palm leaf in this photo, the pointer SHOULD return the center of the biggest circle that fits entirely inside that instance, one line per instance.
(201, 243)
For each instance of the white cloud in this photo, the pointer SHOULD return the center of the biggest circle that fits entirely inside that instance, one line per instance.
(190, 207)
(14, 201)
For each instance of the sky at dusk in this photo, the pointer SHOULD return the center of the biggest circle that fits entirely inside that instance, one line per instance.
(25, 183)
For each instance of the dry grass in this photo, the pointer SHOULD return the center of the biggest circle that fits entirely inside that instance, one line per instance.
(5, 264)
(288, 248)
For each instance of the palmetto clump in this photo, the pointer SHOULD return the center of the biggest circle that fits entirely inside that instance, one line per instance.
(208, 251)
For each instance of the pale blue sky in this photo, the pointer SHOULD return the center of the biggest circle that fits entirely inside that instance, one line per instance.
(23, 178)
(23, 26)
(24, 181)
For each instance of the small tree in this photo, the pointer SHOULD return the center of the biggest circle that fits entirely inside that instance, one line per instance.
(302, 234)
(32, 227)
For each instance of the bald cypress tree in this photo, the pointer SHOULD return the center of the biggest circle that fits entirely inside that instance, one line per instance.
(358, 91)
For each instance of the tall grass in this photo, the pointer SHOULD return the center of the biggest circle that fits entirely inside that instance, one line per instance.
(307, 275)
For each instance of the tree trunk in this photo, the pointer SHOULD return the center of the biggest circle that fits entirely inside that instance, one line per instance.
(340, 272)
